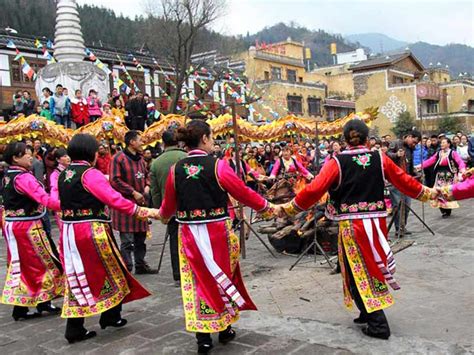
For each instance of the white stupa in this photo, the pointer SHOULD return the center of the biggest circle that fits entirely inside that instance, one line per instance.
(71, 71)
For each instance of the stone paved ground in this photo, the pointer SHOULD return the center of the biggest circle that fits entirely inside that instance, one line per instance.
(433, 314)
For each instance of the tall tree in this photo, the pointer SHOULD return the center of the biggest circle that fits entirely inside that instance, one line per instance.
(185, 20)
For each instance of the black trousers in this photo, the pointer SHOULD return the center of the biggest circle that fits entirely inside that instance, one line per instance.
(137, 123)
(446, 211)
(19, 311)
(133, 242)
(376, 321)
(205, 338)
(172, 230)
(75, 326)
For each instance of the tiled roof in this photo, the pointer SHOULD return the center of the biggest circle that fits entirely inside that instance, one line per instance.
(27, 43)
(384, 60)
(339, 103)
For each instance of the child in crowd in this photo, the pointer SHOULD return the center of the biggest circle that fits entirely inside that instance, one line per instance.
(45, 111)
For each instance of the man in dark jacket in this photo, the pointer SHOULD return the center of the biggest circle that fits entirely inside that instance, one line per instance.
(158, 174)
(137, 112)
(401, 152)
(129, 176)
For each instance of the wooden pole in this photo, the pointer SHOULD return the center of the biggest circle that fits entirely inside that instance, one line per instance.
(238, 167)
(318, 153)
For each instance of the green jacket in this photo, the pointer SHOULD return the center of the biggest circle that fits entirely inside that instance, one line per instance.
(159, 172)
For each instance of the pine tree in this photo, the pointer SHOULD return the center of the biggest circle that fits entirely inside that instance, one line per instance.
(404, 124)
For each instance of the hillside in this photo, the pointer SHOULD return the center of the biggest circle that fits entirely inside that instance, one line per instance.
(319, 41)
(459, 57)
(377, 42)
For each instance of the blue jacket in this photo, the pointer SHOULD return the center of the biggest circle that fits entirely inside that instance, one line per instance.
(52, 104)
(417, 155)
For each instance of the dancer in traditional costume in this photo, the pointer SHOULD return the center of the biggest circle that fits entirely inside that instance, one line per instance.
(447, 164)
(34, 276)
(287, 165)
(62, 161)
(97, 280)
(355, 181)
(460, 191)
(196, 190)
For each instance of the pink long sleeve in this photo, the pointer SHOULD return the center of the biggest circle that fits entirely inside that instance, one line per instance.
(29, 185)
(168, 206)
(301, 169)
(53, 184)
(464, 189)
(237, 189)
(457, 158)
(430, 161)
(96, 183)
(275, 168)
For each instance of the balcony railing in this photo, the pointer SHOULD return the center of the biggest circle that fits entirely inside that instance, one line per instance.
(296, 83)
(279, 59)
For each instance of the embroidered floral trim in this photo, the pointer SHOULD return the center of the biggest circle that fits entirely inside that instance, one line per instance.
(52, 282)
(363, 206)
(88, 212)
(115, 286)
(374, 293)
(291, 208)
(200, 214)
(69, 174)
(22, 213)
(199, 316)
(363, 160)
(193, 171)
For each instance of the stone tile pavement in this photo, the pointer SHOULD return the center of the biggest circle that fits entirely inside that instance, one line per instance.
(300, 311)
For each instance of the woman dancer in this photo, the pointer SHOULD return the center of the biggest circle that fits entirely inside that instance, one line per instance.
(355, 181)
(447, 164)
(97, 280)
(196, 190)
(34, 275)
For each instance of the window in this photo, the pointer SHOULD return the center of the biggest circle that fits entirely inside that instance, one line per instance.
(470, 105)
(314, 106)
(432, 106)
(295, 104)
(276, 73)
(138, 78)
(266, 75)
(17, 73)
(397, 80)
(300, 79)
(291, 75)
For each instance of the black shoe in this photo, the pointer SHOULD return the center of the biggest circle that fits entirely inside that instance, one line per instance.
(227, 335)
(25, 316)
(205, 348)
(117, 324)
(407, 232)
(445, 215)
(362, 319)
(50, 308)
(369, 333)
(87, 335)
(146, 269)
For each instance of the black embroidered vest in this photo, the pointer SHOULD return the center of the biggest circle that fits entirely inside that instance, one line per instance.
(360, 190)
(78, 204)
(18, 206)
(200, 198)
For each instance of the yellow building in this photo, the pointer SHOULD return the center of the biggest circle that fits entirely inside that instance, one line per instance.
(397, 83)
(278, 74)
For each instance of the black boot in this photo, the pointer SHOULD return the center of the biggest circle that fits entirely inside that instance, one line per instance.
(112, 318)
(204, 342)
(20, 312)
(48, 307)
(377, 325)
(362, 319)
(227, 335)
(76, 332)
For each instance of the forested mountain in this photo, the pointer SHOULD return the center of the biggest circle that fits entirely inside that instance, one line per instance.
(319, 41)
(102, 27)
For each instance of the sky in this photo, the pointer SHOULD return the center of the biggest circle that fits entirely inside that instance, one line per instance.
(433, 21)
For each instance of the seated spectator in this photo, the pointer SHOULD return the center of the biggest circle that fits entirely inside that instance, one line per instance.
(103, 160)
(45, 111)
(94, 106)
(30, 104)
(79, 110)
(18, 106)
